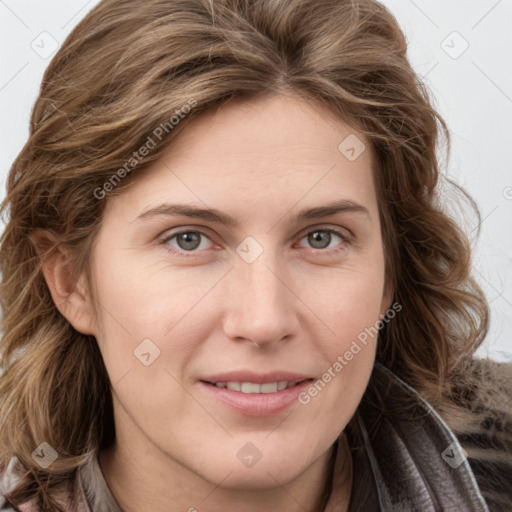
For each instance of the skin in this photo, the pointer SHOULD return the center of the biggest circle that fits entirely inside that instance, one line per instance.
(260, 161)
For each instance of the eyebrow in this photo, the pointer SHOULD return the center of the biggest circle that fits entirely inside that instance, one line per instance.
(214, 215)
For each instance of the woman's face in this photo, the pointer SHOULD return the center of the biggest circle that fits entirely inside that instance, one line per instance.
(277, 295)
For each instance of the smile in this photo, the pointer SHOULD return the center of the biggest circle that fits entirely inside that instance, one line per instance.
(253, 387)
(256, 399)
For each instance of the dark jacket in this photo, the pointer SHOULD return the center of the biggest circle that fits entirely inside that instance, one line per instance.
(410, 460)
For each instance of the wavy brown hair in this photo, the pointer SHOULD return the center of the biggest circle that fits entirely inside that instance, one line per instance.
(125, 69)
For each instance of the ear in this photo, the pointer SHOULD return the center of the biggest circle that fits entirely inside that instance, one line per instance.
(69, 295)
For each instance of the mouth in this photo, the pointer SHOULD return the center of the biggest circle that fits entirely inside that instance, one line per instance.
(256, 396)
(255, 388)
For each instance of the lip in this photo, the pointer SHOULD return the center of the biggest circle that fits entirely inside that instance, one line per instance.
(256, 404)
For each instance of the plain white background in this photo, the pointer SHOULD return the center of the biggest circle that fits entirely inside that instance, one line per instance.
(461, 48)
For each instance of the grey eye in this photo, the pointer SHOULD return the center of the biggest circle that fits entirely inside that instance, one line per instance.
(188, 240)
(319, 237)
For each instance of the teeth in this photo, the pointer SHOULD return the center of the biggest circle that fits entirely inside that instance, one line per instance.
(271, 387)
(252, 387)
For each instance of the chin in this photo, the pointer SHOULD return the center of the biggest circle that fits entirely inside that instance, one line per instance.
(257, 474)
(257, 478)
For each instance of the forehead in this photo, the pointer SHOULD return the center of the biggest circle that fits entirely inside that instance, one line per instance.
(259, 153)
(281, 125)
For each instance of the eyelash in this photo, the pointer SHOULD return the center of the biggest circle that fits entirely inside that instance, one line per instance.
(342, 233)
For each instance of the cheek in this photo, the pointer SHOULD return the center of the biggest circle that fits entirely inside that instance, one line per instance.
(350, 352)
(350, 307)
(139, 300)
(348, 301)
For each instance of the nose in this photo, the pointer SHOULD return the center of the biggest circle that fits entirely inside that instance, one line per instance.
(261, 306)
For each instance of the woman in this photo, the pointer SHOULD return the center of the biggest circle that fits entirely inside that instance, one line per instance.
(227, 280)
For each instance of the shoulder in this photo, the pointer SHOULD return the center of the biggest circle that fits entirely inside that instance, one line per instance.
(483, 387)
(7, 506)
(474, 420)
(485, 393)
(8, 480)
